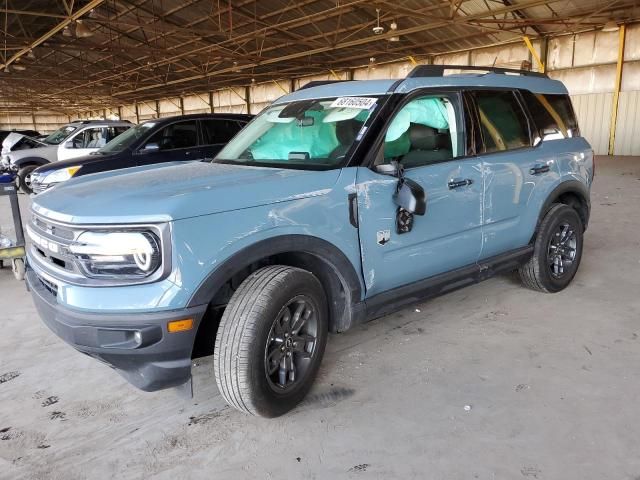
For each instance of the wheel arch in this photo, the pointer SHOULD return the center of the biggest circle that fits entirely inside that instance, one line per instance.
(26, 161)
(572, 193)
(327, 262)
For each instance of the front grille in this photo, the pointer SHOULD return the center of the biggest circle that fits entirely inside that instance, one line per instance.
(51, 287)
(50, 244)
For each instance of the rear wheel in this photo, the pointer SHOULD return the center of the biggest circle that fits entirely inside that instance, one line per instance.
(24, 178)
(557, 251)
(271, 340)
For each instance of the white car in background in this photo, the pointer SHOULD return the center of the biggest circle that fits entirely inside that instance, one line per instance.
(73, 140)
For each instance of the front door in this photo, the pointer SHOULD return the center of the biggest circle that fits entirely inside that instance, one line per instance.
(426, 137)
(174, 143)
(82, 143)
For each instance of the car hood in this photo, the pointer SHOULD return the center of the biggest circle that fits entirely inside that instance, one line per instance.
(10, 141)
(71, 162)
(175, 191)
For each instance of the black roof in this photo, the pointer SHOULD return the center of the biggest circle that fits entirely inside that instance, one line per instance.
(201, 116)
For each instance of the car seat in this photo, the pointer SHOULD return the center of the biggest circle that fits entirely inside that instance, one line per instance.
(427, 146)
(346, 133)
(94, 140)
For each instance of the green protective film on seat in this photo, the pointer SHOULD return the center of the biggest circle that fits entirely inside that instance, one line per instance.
(430, 112)
(281, 139)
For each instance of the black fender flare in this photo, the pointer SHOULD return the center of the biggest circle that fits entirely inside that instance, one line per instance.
(569, 186)
(23, 162)
(321, 251)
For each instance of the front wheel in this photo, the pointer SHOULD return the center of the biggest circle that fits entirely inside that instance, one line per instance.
(271, 340)
(557, 251)
(24, 178)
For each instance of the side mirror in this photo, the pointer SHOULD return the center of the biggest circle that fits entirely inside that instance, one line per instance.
(411, 197)
(69, 144)
(151, 147)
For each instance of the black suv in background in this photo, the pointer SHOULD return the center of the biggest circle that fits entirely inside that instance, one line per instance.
(181, 138)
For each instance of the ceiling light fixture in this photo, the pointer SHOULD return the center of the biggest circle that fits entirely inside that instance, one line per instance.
(31, 55)
(610, 26)
(66, 32)
(18, 67)
(393, 27)
(82, 31)
(378, 29)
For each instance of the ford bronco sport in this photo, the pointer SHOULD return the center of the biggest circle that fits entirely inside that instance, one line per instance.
(337, 204)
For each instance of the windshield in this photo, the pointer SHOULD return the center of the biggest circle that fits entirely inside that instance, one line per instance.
(303, 134)
(59, 135)
(127, 139)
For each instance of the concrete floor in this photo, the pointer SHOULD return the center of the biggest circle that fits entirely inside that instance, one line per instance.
(552, 382)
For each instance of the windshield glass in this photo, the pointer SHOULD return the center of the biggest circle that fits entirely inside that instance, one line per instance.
(304, 134)
(59, 135)
(127, 139)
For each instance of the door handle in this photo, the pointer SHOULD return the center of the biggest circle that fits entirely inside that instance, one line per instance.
(458, 182)
(538, 169)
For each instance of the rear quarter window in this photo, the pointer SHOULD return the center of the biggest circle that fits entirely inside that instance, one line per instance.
(551, 113)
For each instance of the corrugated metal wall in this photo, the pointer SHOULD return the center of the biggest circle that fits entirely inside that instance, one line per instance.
(594, 117)
(628, 124)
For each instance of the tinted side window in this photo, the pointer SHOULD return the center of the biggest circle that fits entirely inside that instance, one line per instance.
(219, 131)
(551, 113)
(176, 135)
(503, 123)
(115, 131)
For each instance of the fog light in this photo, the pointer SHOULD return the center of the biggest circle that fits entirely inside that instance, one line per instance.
(180, 325)
(137, 336)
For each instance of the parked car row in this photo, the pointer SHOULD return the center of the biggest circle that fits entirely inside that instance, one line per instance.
(92, 146)
(173, 139)
(337, 204)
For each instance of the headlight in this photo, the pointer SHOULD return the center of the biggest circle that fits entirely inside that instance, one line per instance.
(61, 175)
(122, 255)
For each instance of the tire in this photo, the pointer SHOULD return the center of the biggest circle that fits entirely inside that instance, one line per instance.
(557, 251)
(24, 178)
(252, 339)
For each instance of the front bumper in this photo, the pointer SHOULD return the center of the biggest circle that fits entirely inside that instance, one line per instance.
(160, 360)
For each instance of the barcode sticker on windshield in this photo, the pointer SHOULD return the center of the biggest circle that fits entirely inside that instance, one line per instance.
(361, 103)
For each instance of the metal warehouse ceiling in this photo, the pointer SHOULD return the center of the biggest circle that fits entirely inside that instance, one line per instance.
(71, 55)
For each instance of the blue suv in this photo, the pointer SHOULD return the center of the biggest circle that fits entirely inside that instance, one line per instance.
(339, 203)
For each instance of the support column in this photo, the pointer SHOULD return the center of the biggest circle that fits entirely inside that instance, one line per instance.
(137, 113)
(247, 96)
(616, 93)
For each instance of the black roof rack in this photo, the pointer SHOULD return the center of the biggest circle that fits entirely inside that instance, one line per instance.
(438, 70)
(317, 83)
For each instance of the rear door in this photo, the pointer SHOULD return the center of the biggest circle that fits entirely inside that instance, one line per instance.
(512, 168)
(426, 137)
(216, 133)
(177, 141)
